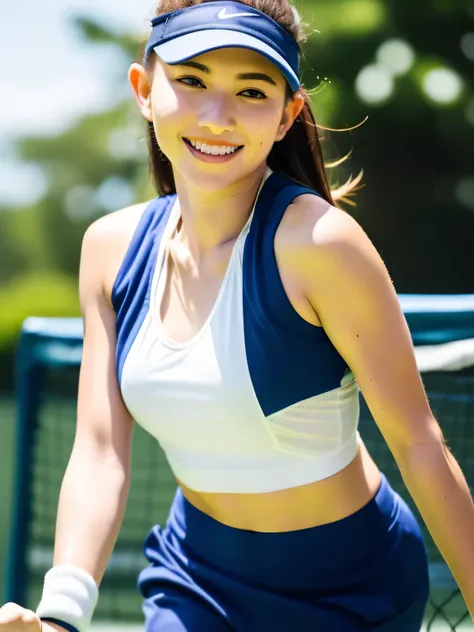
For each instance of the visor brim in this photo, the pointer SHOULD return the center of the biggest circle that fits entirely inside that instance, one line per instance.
(191, 45)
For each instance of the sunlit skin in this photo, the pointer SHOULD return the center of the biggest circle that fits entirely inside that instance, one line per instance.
(217, 105)
(332, 275)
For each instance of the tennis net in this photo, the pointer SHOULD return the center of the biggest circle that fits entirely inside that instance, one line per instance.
(49, 356)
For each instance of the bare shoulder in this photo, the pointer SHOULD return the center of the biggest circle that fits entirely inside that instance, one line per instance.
(105, 244)
(315, 234)
(116, 225)
(313, 220)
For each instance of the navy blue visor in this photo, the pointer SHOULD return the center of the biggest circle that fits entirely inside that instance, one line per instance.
(181, 35)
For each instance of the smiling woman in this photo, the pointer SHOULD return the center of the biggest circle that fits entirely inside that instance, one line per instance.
(235, 318)
(299, 153)
(235, 95)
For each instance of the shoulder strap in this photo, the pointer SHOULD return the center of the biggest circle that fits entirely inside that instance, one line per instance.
(131, 291)
(289, 359)
(140, 245)
(277, 194)
(260, 269)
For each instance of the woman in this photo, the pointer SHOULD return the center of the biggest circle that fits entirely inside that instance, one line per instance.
(224, 319)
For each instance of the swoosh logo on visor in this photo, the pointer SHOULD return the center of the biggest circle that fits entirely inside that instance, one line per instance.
(223, 15)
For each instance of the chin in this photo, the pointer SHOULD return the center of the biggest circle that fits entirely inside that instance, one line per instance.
(215, 178)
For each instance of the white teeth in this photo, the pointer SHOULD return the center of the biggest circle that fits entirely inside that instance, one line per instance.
(213, 150)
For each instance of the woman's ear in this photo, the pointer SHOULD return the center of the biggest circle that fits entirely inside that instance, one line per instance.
(138, 78)
(290, 114)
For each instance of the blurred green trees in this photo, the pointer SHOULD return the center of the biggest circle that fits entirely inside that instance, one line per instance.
(408, 66)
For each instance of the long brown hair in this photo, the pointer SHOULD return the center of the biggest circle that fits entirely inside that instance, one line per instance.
(299, 155)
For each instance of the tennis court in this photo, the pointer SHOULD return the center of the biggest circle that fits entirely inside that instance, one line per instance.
(48, 365)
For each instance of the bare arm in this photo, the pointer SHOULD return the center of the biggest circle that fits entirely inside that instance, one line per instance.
(349, 288)
(96, 482)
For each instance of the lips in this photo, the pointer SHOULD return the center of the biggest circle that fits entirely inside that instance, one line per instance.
(210, 144)
(213, 158)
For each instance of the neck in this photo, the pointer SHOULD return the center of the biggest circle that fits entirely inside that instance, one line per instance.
(211, 218)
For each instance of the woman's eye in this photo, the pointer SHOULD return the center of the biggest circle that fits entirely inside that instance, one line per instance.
(194, 82)
(253, 94)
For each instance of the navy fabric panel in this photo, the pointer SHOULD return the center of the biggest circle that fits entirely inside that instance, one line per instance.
(66, 626)
(131, 291)
(364, 573)
(289, 359)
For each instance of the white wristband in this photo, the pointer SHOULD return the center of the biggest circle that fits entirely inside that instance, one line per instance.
(70, 595)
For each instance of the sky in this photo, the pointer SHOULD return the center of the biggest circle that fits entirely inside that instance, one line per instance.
(48, 78)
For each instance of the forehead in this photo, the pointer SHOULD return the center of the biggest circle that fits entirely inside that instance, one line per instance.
(237, 60)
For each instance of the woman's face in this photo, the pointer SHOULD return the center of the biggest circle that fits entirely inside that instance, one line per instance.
(224, 99)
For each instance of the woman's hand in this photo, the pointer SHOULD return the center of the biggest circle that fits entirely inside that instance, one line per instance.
(14, 618)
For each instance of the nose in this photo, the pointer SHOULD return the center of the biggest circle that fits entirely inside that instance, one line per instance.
(216, 116)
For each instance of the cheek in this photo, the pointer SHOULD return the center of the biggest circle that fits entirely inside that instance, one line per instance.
(263, 126)
(170, 114)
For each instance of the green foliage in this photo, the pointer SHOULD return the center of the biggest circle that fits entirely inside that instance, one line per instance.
(328, 19)
(40, 244)
(415, 152)
(76, 164)
(94, 32)
(35, 294)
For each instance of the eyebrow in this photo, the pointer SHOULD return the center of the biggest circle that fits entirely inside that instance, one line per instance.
(245, 76)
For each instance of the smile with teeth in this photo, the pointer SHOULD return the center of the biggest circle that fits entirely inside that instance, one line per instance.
(213, 150)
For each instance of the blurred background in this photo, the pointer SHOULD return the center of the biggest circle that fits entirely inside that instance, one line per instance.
(72, 145)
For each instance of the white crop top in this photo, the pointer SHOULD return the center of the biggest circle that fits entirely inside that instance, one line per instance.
(259, 400)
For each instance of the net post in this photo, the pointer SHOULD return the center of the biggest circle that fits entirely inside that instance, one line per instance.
(28, 394)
